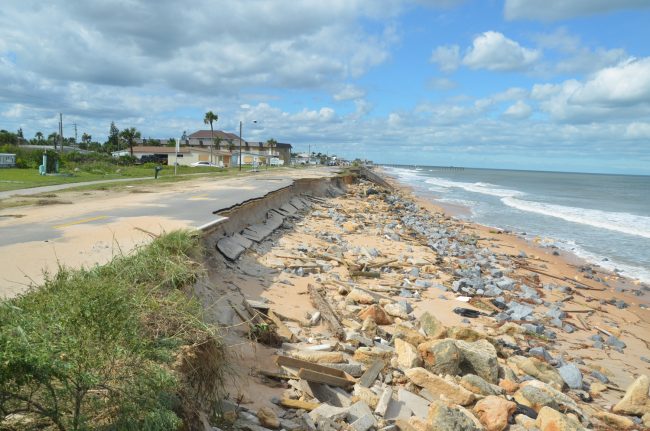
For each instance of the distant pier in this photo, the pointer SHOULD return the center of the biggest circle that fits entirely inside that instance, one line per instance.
(437, 168)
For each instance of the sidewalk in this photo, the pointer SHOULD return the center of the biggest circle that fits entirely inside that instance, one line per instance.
(57, 187)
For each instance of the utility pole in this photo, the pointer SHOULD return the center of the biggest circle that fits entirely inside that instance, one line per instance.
(309, 156)
(75, 133)
(240, 145)
(60, 133)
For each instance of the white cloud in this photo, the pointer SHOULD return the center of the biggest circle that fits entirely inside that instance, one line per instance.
(573, 56)
(446, 57)
(549, 10)
(493, 51)
(613, 93)
(518, 111)
(638, 130)
(217, 51)
(622, 85)
(349, 92)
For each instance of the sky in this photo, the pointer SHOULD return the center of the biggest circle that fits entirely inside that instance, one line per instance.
(519, 84)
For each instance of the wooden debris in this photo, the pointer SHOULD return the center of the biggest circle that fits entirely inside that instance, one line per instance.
(282, 329)
(328, 379)
(298, 404)
(327, 314)
(367, 274)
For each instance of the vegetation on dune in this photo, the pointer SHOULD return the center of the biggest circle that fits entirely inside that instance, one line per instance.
(120, 346)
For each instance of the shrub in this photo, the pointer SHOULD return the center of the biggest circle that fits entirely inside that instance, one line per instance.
(94, 348)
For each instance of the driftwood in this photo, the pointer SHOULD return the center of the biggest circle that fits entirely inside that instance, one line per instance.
(579, 284)
(326, 312)
(297, 404)
(367, 274)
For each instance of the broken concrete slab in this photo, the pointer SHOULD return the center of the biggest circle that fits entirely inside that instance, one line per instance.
(230, 248)
(418, 405)
(397, 410)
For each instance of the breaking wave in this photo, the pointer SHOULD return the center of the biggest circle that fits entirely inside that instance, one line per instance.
(630, 224)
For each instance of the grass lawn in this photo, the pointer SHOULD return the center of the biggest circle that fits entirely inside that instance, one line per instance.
(14, 178)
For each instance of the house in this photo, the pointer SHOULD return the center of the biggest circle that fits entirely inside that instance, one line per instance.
(252, 152)
(7, 160)
(185, 157)
(203, 138)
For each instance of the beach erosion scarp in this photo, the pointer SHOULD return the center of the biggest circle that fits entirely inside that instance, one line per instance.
(364, 307)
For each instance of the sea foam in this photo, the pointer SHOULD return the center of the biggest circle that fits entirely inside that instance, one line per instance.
(630, 224)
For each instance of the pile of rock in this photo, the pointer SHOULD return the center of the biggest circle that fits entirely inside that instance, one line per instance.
(389, 370)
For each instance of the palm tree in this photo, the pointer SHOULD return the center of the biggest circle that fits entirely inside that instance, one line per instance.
(271, 143)
(129, 135)
(209, 118)
(39, 136)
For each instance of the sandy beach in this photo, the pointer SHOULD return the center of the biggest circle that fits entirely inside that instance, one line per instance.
(561, 316)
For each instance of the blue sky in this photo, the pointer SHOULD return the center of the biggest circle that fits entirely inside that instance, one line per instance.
(550, 85)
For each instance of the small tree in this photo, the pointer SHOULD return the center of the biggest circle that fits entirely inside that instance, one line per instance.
(113, 142)
(129, 135)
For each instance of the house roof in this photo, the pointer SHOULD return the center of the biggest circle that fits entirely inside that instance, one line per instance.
(205, 134)
(156, 150)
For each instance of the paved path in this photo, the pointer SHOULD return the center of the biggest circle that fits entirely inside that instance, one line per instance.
(105, 223)
(57, 187)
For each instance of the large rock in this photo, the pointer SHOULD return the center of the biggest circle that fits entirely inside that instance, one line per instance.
(408, 334)
(268, 418)
(635, 401)
(536, 395)
(368, 355)
(361, 296)
(432, 326)
(478, 385)
(617, 421)
(538, 369)
(407, 355)
(376, 313)
(480, 358)
(494, 412)
(443, 417)
(463, 333)
(438, 386)
(549, 419)
(571, 376)
(441, 356)
(396, 310)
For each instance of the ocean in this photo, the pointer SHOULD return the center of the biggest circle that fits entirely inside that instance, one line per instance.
(604, 219)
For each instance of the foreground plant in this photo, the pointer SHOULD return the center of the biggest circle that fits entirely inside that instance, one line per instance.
(102, 348)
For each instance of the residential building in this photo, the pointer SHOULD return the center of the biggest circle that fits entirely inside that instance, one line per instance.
(252, 152)
(185, 157)
(203, 138)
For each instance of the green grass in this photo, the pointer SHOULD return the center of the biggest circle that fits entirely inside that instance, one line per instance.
(101, 348)
(15, 179)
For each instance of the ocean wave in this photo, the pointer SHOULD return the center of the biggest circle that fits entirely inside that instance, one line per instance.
(483, 188)
(630, 224)
(630, 271)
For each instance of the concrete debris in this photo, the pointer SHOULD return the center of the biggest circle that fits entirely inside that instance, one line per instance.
(372, 357)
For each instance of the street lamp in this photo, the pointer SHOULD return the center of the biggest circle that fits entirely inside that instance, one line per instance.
(240, 125)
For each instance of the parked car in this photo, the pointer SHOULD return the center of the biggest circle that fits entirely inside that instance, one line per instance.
(201, 163)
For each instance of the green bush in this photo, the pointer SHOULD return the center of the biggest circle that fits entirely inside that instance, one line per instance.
(92, 349)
